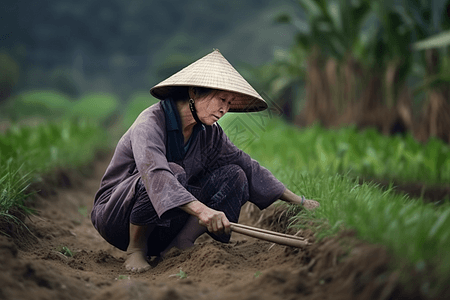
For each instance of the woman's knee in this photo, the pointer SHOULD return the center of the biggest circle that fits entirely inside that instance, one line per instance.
(237, 175)
(233, 179)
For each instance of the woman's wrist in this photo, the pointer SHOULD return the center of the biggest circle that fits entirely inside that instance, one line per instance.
(194, 208)
(290, 197)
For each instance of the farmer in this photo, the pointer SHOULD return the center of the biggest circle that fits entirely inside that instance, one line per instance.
(175, 174)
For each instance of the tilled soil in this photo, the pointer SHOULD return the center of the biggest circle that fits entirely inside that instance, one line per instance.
(33, 267)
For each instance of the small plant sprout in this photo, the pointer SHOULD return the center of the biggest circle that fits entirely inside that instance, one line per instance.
(180, 275)
(83, 211)
(257, 274)
(64, 250)
(121, 277)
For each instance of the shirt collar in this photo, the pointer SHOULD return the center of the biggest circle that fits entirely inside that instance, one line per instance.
(173, 120)
(172, 116)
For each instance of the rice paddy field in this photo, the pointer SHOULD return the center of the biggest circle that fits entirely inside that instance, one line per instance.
(370, 238)
(327, 165)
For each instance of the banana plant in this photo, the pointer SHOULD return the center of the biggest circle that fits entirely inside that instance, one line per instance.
(428, 19)
(436, 41)
(332, 26)
(327, 36)
(358, 56)
(429, 22)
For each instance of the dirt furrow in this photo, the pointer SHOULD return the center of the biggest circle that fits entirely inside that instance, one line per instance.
(33, 266)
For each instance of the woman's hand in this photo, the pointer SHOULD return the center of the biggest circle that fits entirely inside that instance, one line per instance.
(215, 221)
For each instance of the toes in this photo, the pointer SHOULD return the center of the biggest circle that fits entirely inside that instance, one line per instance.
(129, 268)
(137, 269)
(144, 269)
(140, 269)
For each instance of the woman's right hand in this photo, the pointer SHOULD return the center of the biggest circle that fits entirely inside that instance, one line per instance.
(215, 221)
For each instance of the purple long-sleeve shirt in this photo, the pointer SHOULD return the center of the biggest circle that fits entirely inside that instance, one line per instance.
(141, 152)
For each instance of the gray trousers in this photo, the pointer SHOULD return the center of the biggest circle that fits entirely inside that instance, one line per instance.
(224, 189)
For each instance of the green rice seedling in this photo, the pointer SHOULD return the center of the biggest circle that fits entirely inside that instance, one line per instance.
(325, 165)
(28, 153)
(49, 105)
(13, 192)
(53, 144)
(83, 211)
(345, 151)
(13, 188)
(64, 250)
(181, 274)
(95, 107)
(415, 232)
(36, 103)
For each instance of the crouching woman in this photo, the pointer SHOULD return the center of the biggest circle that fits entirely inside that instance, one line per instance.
(175, 174)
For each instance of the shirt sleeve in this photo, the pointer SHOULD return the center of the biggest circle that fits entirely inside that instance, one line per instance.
(149, 151)
(264, 188)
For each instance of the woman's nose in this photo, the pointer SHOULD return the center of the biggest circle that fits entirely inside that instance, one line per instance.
(225, 107)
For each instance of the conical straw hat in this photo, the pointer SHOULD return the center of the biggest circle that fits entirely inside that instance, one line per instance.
(213, 71)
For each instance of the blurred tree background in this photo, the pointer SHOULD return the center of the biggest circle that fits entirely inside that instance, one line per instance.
(120, 46)
(382, 64)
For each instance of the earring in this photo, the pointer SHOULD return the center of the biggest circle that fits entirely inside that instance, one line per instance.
(194, 113)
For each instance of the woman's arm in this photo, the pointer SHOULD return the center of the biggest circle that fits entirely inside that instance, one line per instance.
(290, 197)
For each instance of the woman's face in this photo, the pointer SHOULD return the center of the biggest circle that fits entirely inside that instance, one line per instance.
(213, 106)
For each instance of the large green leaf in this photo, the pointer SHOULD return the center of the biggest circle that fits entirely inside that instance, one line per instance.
(436, 41)
(311, 7)
(426, 17)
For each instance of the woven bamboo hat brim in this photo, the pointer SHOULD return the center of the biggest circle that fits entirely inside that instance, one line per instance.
(213, 71)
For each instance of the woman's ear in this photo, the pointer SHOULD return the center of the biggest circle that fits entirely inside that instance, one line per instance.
(192, 92)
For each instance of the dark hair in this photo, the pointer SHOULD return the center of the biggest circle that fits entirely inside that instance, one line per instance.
(179, 93)
(202, 91)
(182, 92)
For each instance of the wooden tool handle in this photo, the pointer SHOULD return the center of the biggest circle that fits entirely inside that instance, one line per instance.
(269, 232)
(271, 236)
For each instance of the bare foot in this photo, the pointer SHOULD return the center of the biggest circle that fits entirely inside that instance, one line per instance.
(136, 261)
